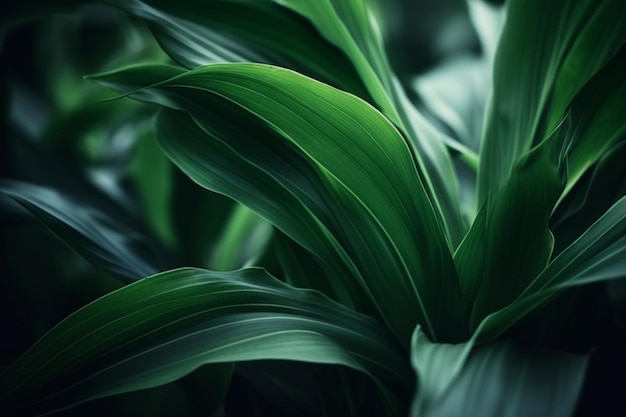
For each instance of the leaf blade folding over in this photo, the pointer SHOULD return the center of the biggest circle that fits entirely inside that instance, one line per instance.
(348, 175)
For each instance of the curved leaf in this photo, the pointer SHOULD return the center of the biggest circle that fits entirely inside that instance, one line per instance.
(199, 33)
(528, 70)
(163, 327)
(510, 242)
(352, 27)
(330, 172)
(242, 241)
(494, 380)
(111, 245)
(598, 255)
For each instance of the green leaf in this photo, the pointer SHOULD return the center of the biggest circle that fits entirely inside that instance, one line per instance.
(163, 327)
(598, 111)
(152, 175)
(494, 380)
(510, 242)
(349, 55)
(109, 243)
(198, 218)
(199, 33)
(592, 196)
(456, 92)
(352, 27)
(598, 255)
(330, 172)
(242, 241)
(538, 67)
(301, 269)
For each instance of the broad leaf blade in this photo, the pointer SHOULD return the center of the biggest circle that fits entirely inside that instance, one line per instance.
(348, 176)
(494, 380)
(163, 327)
(352, 27)
(598, 255)
(528, 65)
(510, 243)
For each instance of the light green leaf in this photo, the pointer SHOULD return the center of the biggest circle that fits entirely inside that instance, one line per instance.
(163, 327)
(348, 185)
(242, 242)
(494, 380)
(352, 27)
(487, 20)
(528, 70)
(456, 92)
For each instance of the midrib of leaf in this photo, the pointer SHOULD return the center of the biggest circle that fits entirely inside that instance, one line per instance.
(350, 26)
(289, 109)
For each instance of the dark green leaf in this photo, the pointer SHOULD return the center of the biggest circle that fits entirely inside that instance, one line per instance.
(510, 243)
(536, 67)
(598, 255)
(163, 327)
(111, 245)
(349, 189)
(198, 33)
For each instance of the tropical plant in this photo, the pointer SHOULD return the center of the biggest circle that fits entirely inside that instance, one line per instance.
(447, 245)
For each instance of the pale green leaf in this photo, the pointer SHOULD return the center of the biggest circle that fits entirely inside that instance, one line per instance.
(499, 379)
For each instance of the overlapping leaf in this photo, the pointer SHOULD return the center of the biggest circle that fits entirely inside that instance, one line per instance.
(165, 326)
(243, 240)
(494, 380)
(560, 51)
(347, 53)
(352, 26)
(598, 255)
(326, 169)
(198, 33)
(510, 243)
